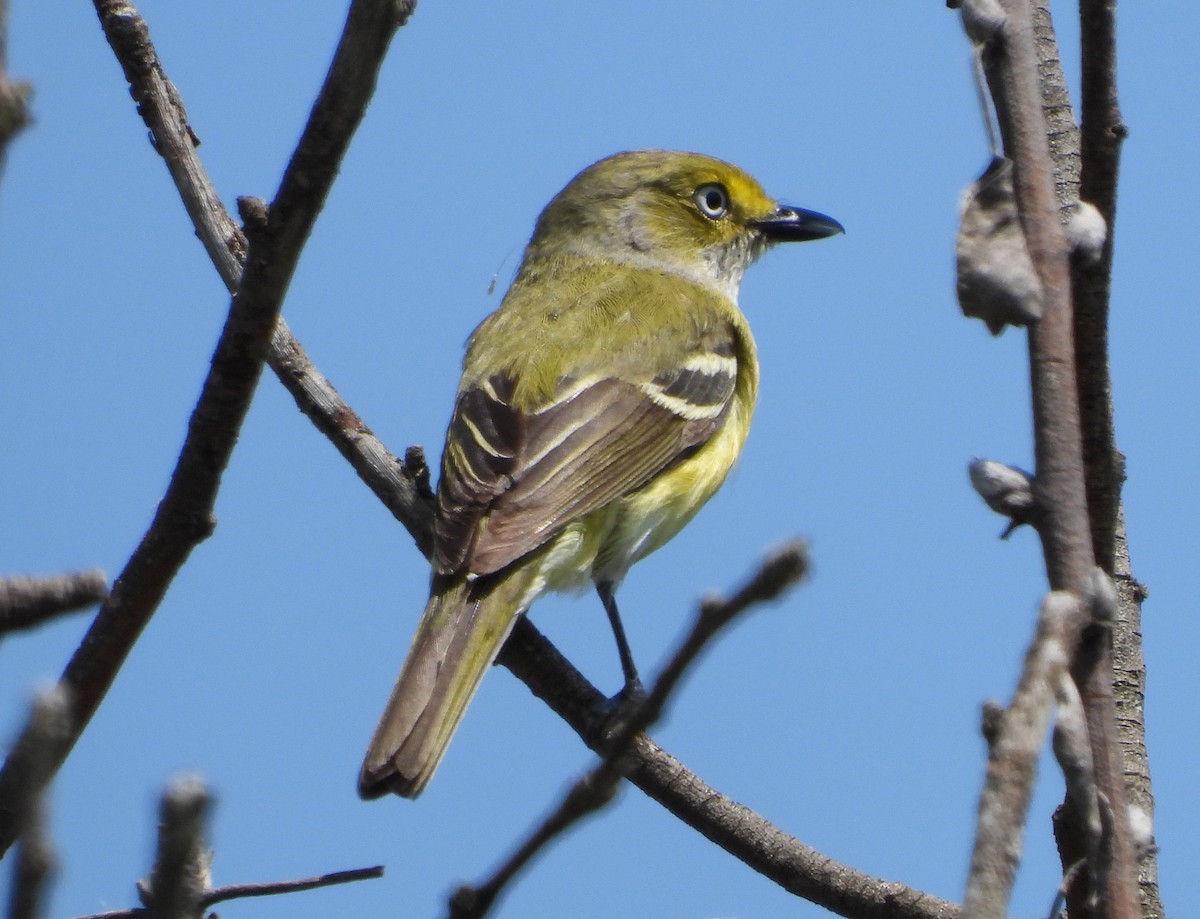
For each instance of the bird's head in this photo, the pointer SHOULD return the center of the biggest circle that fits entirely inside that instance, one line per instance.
(684, 213)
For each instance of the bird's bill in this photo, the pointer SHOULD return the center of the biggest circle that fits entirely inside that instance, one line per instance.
(795, 224)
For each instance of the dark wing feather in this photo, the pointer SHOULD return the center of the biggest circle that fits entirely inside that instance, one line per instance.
(511, 480)
(486, 435)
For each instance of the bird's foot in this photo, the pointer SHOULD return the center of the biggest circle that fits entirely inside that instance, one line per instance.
(612, 715)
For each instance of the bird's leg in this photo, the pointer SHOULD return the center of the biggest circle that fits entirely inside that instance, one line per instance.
(633, 684)
(609, 717)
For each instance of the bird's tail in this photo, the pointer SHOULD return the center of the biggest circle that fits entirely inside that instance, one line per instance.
(461, 632)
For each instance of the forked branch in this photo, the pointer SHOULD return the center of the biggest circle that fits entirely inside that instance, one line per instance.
(184, 517)
(1003, 33)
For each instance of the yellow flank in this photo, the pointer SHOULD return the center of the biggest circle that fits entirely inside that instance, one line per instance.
(649, 517)
(600, 407)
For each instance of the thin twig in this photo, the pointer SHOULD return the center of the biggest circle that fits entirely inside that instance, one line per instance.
(780, 570)
(239, 891)
(26, 602)
(179, 884)
(184, 516)
(594, 790)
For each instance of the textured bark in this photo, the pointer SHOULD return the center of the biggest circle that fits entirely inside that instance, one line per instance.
(1024, 76)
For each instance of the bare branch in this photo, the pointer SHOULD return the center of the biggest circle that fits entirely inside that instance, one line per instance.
(162, 109)
(1062, 133)
(179, 888)
(174, 139)
(35, 866)
(596, 789)
(240, 891)
(586, 796)
(179, 884)
(1073, 750)
(1015, 738)
(1086, 163)
(332, 878)
(1011, 69)
(217, 895)
(33, 756)
(1102, 132)
(184, 517)
(1011, 64)
(780, 570)
(181, 867)
(26, 602)
(744, 834)
(14, 94)
(403, 487)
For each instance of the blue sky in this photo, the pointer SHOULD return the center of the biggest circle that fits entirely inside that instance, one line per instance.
(847, 714)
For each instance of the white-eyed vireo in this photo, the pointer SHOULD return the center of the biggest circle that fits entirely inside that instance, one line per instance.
(600, 406)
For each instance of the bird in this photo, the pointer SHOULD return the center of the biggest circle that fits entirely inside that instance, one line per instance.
(600, 406)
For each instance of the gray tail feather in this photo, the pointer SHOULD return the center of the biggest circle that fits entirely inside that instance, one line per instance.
(461, 632)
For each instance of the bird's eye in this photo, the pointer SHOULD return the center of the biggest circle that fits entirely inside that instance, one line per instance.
(713, 201)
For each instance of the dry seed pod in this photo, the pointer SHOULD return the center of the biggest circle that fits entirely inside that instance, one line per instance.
(996, 278)
(982, 19)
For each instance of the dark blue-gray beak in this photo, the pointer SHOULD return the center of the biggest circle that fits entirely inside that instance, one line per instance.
(795, 224)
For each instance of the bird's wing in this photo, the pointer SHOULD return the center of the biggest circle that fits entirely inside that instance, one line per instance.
(513, 478)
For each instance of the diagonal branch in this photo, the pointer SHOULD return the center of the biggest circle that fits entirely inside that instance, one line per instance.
(399, 486)
(740, 831)
(185, 515)
(161, 108)
(593, 791)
